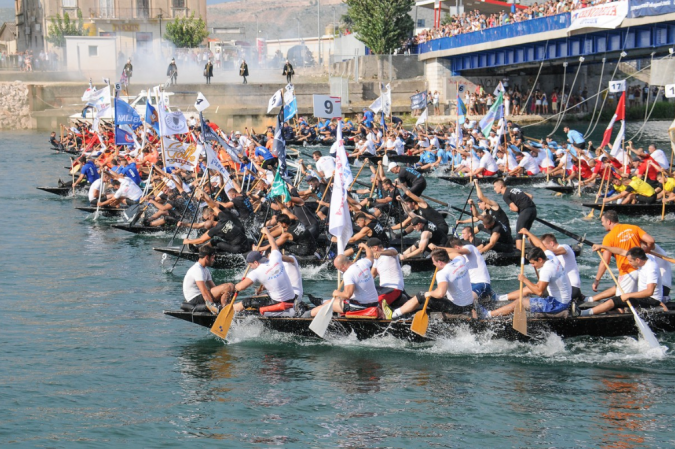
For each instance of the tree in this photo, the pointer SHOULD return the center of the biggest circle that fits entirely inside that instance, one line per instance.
(382, 25)
(186, 32)
(60, 28)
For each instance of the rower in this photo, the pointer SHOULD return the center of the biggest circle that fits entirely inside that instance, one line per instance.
(388, 268)
(228, 235)
(89, 170)
(551, 294)
(623, 236)
(169, 206)
(198, 285)
(526, 165)
(368, 227)
(575, 138)
(649, 291)
(359, 286)
(409, 177)
(318, 189)
(453, 293)
(294, 237)
(487, 165)
(500, 241)
(427, 236)
(487, 207)
(667, 184)
(95, 189)
(272, 275)
(56, 143)
(565, 255)
(519, 202)
(478, 272)
(437, 223)
(467, 234)
(325, 165)
(127, 191)
(633, 191)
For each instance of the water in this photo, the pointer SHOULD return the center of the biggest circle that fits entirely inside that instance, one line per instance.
(89, 360)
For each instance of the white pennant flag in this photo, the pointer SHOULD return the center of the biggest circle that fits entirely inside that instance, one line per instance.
(340, 222)
(376, 106)
(617, 151)
(213, 162)
(171, 123)
(423, 117)
(274, 101)
(386, 100)
(201, 103)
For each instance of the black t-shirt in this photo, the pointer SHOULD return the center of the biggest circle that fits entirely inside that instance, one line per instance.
(409, 176)
(519, 198)
(378, 231)
(301, 235)
(434, 218)
(228, 229)
(498, 228)
(243, 206)
(500, 216)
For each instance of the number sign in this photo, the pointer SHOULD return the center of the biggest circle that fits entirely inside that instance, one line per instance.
(326, 106)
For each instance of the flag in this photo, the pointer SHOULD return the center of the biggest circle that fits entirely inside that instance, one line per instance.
(290, 103)
(386, 99)
(180, 155)
(492, 115)
(151, 117)
(123, 79)
(383, 124)
(171, 123)
(418, 101)
(617, 150)
(212, 161)
(499, 88)
(620, 114)
(461, 110)
(423, 117)
(124, 137)
(126, 115)
(340, 222)
(275, 101)
(201, 103)
(279, 147)
(208, 134)
(100, 110)
(279, 187)
(376, 106)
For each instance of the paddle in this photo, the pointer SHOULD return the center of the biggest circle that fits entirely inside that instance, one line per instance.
(604, 198)
(519, 315)
(591, 214)
(420, 322)
(72, 164)
(358, 173)
(320, 323)
(473, 185)
(224, 320)
(644, 329)
(318, 208)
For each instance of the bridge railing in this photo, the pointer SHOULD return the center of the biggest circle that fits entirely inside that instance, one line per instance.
(534, 26)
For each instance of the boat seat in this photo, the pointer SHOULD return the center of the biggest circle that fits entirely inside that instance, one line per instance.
(563, 314)
(370, 313)
(188, 307)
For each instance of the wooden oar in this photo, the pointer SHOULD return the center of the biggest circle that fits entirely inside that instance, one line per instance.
(320, 323)
(604, 198)
(464, 210)
(224, 320)
(325, 192)
(519, 315)
(591, 214)
(358, 173)
(72, 172)
(644, 329)
(420, 323)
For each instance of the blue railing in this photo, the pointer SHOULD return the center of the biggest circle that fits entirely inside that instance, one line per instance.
(534, 26)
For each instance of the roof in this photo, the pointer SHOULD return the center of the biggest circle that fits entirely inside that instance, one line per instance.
(8, 31)
(484, 6)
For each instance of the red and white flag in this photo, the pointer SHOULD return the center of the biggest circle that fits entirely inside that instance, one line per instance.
(340, 222)
(620, 114)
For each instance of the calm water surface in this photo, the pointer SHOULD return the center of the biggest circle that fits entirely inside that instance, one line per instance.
(89, 360)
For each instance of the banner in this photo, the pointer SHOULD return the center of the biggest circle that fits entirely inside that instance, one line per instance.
(386, 99)
(151, 117)
(422, 118)
(418, 101)
(340, 222)
(180, 155)
(172, 122)
(290, 103)
(275, 101)
(123, 137)
(279, 188)
(642, 8)
(608, 15)
(201, 103)
(126, 115)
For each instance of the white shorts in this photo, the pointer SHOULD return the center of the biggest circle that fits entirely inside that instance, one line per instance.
(628, 282)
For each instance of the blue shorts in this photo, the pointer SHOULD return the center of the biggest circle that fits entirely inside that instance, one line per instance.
(483, 290)
(547, 304)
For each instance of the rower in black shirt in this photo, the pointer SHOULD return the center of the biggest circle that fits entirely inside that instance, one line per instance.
(409, 177)
(427, 236)
(226, 236)
(486, 206)
(292, 236)
(240, 202)
(500, 239)
(519, 202)
(318, 189)
(432, 216)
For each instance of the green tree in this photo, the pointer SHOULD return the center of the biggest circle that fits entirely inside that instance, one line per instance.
(62, 27)
(382, 25)
(186, 32)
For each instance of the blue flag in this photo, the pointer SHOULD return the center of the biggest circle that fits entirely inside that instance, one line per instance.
(126, 115)
(280, 144)
(151, 117)
(209, 134)
(461, 110)
(290, 109)
(123, 137)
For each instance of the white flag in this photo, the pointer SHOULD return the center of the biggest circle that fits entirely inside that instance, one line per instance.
(274, 101)
(180, 155)
(376, 106)
(289, 95)
(423, 117)
(171, 123)
(201, 103)
(499, 88)
(617, 151)
(214, 163)
(617, 86)
(340, 222)
(386, 100)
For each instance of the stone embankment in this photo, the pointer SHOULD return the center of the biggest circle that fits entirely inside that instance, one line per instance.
(14, 106)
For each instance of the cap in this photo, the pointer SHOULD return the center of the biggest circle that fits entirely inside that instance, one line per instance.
(255, 256)
(238, 133)
(374, 241)
(391, 166)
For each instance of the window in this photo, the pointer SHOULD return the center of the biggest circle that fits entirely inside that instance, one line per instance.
(69, 3)
(93, 50)
(178, 3)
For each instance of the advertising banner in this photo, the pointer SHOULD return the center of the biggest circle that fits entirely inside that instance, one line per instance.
(608, 15)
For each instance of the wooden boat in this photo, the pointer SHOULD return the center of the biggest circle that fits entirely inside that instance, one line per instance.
(568, 190)
(403, 159)
(634, 209)
(139, 229)
(107, 211)
(61, 191)
(443, 325)
(508, 180)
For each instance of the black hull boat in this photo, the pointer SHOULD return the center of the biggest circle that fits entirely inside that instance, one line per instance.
(443, 325)
(509, 180)
(634, 209)
(139, 229)
(403, 159)
(60, 191)
(107, 211)
(59, 150)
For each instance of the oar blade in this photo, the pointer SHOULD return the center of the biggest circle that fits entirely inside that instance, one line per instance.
(420, 323)
(591, 215)
(320, 323)
(645, 331)
(223, 322)
(520, 320)
(130, 212)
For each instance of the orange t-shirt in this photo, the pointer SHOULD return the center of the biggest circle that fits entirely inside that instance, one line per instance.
(624, 236)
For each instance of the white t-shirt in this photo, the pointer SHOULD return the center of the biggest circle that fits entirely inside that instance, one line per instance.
(665, 267)
(389, 270)
(370, 147)
(488, 163)
(456, 275)
(478, 271)
(400, 146)
(360, 277)
(529, 164)
(554, 273)
(273, 276)
(569, 263)
(326, 165)
(660, 157)
(194, 274)
(129, 189)
(293, 270)
(649, 273)
(96, 185)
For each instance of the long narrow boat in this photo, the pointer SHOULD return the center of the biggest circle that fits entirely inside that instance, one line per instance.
(61, 191)
(403, 159)
(58, 150)
(107, 211)
(634, 209)
(508, 180)
(140, 229)
(443, 325)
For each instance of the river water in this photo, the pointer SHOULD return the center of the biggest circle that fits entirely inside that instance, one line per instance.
(89, 360)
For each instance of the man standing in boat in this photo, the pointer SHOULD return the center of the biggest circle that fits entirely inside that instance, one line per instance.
(519, 202)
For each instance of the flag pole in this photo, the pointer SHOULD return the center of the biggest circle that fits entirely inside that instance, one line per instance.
(160, 104)
(623, 138)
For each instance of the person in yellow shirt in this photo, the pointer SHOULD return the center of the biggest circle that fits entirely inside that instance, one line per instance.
(633, 190)
(667, 189)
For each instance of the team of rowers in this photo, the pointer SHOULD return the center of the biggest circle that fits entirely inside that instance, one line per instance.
(231, 208)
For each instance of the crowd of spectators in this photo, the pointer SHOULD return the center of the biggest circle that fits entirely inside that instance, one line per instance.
(27, 61)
